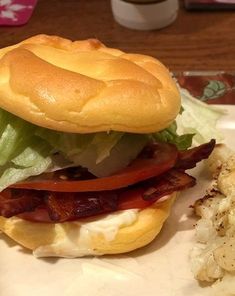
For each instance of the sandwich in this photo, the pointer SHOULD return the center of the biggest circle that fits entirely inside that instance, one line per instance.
(90, 158)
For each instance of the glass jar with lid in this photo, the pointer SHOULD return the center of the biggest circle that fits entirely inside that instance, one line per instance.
(145, 14)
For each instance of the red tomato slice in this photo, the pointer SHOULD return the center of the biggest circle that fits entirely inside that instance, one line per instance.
(165, 157)
(133, 199)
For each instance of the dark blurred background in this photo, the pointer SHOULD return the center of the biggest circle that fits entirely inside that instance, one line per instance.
(197, 40)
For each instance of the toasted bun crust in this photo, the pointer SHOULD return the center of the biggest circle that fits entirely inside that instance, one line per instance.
(39, 236)
(85, 87)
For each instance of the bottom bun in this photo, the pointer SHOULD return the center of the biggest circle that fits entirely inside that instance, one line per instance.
(116, 233)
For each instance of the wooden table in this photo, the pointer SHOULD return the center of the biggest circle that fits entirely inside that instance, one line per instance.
(196, 41)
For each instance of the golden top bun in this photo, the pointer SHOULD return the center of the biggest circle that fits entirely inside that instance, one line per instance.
(85, 87)
(43, 237)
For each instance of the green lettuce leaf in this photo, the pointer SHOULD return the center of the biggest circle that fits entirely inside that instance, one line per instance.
(101, 153)
(28, 150)
(72, 145)
(32, 161)
(198, 118)
(169, 135)
(69, 144)
(22, 154)
(125, 150)
(15, 133)
(104, 143)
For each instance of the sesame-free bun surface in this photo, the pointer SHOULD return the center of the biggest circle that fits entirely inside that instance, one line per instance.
(86, 87)
(39, 236)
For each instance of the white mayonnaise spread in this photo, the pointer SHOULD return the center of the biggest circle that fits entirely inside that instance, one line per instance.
(74, 241)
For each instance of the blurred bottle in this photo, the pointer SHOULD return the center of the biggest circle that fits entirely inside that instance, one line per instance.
(145, 14)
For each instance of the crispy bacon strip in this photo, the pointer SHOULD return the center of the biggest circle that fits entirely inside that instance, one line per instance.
(67, 206)
(70, 206)
(189, 158)
(22, 202)
(64, 206)
(174, 180)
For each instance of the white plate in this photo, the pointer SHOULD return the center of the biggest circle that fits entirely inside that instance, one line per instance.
(162, 268)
